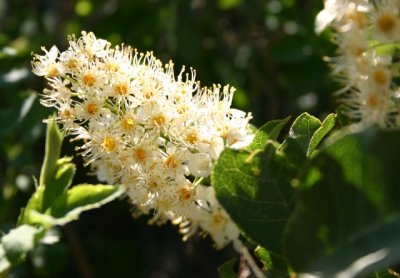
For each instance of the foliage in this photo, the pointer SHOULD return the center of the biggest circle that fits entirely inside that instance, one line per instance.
(327, 212)
(52, 203)
(314, 201)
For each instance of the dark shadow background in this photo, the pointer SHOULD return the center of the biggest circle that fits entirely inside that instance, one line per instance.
(266, 49)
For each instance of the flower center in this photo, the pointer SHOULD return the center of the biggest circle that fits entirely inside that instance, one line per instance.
(92, 108)
(381, 77)
(171, 162)
(109, 144)
(72, 63)
(140, 154)
(53, 71)
(121, 89)
(386, 22)
(191, 138)
(67, 113)
(372, 101)
(218, 219)
(128, 124)
(159, 120)
(88, 79)
(185, 193)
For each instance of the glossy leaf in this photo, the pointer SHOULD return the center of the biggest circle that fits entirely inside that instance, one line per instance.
(348, 217)
(54, 139)
(56, 176)
(256, 187)
(255, 190)
(34, 204)
(59, 183)
(269, 131)
(78, 199)
(273, 265)
(301, 133)
(321, 132)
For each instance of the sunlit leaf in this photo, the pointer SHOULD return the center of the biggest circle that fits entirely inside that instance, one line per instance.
(18, 242)
(321, 132)
(269, 131)
(54, 139)
(60, 182)
(76, 200)
(302, 131)
(273, 265)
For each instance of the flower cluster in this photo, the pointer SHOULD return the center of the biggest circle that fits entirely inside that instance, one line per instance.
(157, 134)
(367, 34)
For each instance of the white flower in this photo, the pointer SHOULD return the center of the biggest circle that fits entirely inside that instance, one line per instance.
(387, 24)
(327, 15)
(141, 126)
(364, 32)
(47, 65)
(200, 164)
(344, 14)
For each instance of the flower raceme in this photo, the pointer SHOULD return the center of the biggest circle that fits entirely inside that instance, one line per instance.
(157, 134)
(367, 35)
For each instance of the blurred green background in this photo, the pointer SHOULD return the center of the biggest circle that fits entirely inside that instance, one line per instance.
(266, 49)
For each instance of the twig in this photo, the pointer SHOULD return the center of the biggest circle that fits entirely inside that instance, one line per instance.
(82, 262)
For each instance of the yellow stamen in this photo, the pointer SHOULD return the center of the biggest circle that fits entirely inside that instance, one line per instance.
(113, 67)
(358, 18)
(72, 63)
(53, 72)
(191, 138)
(92, 108)
(386, 22)
(140, 154)
(380, 77)
(218, 219)
(127, 123)
(88, 79)
(185, 193)
(159, 119)
(171, 162)
(121, 89)
(372, 101)
(67, 113)
(109, 144)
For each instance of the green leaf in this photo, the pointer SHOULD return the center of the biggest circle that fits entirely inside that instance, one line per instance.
(343, 117)
(387, 273)
(5, 264)
(78, 199)
(54, 139)
(18, 242)
(347, 220)
(302, 131)
(269, 131)
(275, 266)
(256, 187)
(59, 183)
(228, 4)
(56, 176)
(34, 204)
(226, 270)
(255, 190)
(321, 132)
